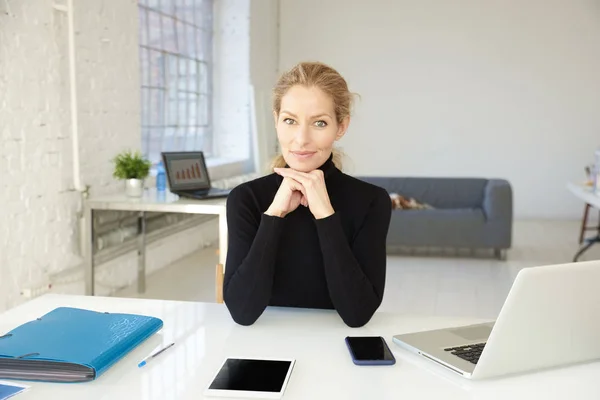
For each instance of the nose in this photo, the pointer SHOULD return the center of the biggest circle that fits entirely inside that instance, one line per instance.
(302, 136)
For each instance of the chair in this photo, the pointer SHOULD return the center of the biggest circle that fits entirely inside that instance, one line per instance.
(219, 283)
(584, 226)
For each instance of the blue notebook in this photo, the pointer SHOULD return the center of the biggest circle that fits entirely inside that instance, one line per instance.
(71, 344)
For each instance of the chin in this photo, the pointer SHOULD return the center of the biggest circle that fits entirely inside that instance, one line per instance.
(302, 165)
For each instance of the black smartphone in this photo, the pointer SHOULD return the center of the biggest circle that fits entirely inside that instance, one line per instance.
(369, 350)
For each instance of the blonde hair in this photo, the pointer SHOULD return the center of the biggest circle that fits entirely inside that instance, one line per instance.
(329, 81)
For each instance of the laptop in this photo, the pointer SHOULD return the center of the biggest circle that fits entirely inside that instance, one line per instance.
(550, 318)
(188, 176)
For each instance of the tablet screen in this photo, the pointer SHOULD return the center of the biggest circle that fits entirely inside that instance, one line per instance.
(251, 375)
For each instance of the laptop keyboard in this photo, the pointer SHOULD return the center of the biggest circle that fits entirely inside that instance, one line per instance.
(470, 352)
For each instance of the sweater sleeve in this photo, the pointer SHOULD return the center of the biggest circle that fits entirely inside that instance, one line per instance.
(355, 271)
(253, 239)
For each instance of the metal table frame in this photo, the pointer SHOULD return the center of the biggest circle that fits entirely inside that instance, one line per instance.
(585, 193)
(151, 201)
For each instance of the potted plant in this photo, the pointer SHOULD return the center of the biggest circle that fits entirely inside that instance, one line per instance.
(133, 169)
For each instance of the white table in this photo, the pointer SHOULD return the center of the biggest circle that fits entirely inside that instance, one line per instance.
(586, 194)
(205, 335)
(151, 201)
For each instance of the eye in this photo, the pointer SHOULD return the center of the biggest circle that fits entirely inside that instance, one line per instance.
(288, 121)
(321, 124)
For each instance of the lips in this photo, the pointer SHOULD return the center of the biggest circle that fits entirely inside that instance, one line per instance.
(303, 155)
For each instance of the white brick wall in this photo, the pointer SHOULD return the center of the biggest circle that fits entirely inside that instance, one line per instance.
(264, 71)
(108, 87)
(232, 78)
(38, 205)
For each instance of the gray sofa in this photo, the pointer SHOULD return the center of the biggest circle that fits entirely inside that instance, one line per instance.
(470, 213)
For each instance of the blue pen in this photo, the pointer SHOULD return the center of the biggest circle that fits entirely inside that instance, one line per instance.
(145, 360)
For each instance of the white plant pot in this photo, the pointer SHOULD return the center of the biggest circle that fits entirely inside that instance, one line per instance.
(134, 187)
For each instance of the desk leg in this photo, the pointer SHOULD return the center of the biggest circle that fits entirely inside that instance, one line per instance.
(590, 243)
(141, 252)
(88, 240)
(222, 239)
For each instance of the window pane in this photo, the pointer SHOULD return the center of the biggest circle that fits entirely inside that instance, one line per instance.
(143, 26)
(145, 137)
(169, 140)
(205, 141)
(180, 9)
(144, 67)
(171, 73)
(183, 109)
(182, 66)
(169, 42)
(172, 110)
(156, 69)
(156, 107)
(190, 76)
(155, 144)
(180, 138)
(203, 78)
(181, 38)
(175, 75)
(188, 139)
(203, 14)
(193, 110)
(145, 98)
(199, 139)
(167, 6)
(203, 110)
(189, 11)
(154, 33)
(192, 43)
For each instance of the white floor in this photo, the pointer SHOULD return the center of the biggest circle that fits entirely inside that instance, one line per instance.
(431, 283)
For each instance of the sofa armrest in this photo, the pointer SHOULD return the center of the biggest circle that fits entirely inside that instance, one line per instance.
(498, 201)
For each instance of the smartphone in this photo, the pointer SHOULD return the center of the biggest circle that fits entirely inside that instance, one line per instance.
(369, 350)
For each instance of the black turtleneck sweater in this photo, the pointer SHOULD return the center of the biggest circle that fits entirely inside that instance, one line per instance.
(338, 262)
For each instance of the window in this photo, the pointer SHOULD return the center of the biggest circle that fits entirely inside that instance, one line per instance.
(176, 76)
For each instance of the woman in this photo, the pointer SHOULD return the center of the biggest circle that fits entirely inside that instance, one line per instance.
(307, 235)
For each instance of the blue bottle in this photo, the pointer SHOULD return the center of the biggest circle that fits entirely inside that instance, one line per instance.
(161, 178)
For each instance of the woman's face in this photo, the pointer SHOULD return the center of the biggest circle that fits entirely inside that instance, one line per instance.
(307, 127)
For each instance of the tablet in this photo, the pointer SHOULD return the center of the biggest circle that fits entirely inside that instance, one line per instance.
(251, 378)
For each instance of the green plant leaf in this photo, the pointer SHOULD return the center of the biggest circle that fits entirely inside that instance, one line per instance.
(131, 165)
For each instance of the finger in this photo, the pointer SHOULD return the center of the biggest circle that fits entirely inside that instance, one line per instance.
(295, 185)
(317, 172)
(302, 177)
(304, 201)
(302, 189)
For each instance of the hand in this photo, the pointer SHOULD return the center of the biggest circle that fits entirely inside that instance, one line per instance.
(288, 197)
(313, 188)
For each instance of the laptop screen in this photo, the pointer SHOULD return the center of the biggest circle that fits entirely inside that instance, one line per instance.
(186, 170)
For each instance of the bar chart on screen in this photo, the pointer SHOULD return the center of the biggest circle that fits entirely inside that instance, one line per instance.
(187, 171)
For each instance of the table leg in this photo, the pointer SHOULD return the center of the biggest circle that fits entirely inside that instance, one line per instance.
(88, 233)
(590, 243)
(222, 239)
(584, 223)
(141, 241)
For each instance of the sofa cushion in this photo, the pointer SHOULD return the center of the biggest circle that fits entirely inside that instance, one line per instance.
(437, 227)
(448, 193)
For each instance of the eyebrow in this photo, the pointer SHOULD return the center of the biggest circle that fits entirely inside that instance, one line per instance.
(314, 116)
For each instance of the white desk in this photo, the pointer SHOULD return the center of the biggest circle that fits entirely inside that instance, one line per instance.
(586, 194)
(152, 201)
(205, 334)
